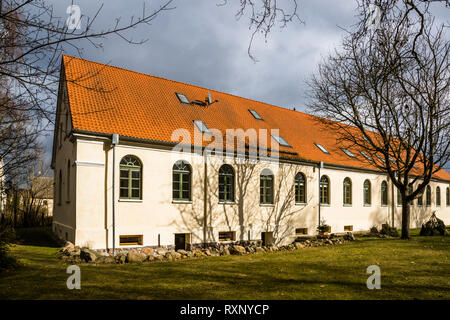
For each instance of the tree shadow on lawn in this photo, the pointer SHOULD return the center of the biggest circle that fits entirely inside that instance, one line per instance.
(37, 236)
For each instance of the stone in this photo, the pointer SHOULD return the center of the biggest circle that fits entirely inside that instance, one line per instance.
(198, 253)
(298, 245)
(147, 251)
(135, 257)
(239, 250)
(150, 258)
(225, 252)
(181, 251)
(176, 255)
(349, 236)
(121, 258)
(189, 254)
(159, 258)
(168, 256)
(69, 244)
(104, 254)
(87, 255)
(161, 251)
(75, 253)
(105, 260)
(259, 250)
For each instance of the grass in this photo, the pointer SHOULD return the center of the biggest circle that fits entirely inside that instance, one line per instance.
(414, 269)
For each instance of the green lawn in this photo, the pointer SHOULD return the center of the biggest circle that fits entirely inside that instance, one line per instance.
(415, 269)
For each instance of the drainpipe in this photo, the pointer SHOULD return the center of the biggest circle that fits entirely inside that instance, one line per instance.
(320, 166)
(392, 203)
(205, 198)
(114, 142)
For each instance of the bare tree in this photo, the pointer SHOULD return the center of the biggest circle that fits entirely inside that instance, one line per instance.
(263, 15)
(386, 92)
(32, 40)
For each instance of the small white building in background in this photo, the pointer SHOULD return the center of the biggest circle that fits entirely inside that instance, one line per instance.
(164, 196)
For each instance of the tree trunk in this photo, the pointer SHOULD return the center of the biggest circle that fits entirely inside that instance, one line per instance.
(405, 219)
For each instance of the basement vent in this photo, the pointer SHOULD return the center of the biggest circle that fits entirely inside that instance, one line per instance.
(131, 240)
(301, 231)
(227, 236)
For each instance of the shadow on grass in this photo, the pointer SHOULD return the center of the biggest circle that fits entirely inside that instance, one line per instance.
(36, 236)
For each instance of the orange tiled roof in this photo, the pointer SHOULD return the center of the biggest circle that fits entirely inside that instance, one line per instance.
(141, 106)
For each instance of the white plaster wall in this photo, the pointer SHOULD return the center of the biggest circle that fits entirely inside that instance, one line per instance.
(157, 215)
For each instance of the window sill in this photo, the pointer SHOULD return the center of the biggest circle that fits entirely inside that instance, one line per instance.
(181, 201)
(130, 200)
(325, 205)
(267, 205)
(227, 202)
(385, 205)
(301, 204)
(367, 205)
(347, 205)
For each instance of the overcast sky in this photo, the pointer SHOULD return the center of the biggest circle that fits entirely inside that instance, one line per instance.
(203, 44)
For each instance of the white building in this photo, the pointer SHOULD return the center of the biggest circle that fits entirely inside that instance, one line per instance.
(164, 197)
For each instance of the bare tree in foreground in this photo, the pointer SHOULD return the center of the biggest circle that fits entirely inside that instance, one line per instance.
(386, 92)
(263, 15)
(32, 40)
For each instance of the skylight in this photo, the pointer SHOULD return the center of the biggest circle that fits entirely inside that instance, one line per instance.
(321, 148)
(366, 156)
(201, 126)
(281, 141)
(182, 98)
(348, 152)
(381, 158)
(255, 114)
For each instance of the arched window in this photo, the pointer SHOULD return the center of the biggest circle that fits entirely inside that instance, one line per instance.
(226, 183)
(438, 196)
(266, 187)
(367, 193)
(384, 193)
(300, 188)
(347, 191)
(324, 190)
(447, 196)
(181, 179)
(428, 196)
(130, 178)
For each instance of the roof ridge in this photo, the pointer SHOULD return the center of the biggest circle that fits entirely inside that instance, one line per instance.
(192, 85)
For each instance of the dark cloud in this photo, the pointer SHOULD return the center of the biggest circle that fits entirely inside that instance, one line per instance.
(203, 44)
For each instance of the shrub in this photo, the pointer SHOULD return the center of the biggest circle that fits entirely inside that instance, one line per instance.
(433, 226)
(374, 229)
(7, 235)
(323, 227)
(389, 231)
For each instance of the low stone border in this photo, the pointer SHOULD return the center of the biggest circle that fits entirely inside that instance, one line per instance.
(74, 254)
